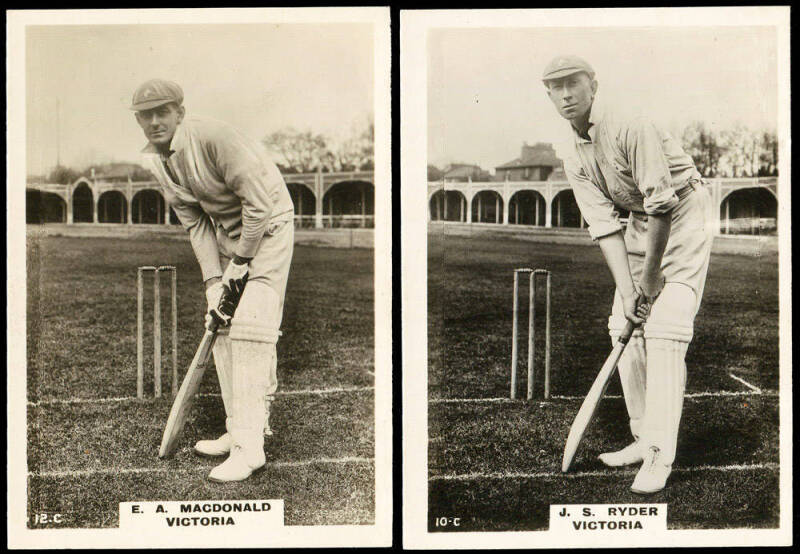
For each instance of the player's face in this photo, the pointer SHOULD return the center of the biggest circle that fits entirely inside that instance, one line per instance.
(159, 123)
(572, 95)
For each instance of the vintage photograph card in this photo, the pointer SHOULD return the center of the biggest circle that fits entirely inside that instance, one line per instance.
(596, 278)
(199, 291)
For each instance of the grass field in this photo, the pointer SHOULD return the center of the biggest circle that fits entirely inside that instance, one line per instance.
(496, 463)
(92, 444)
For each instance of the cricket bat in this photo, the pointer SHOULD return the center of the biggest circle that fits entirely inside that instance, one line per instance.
(184, 400)
(592, 400)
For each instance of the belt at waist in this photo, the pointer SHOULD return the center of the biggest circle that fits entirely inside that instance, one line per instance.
(687, 189)
(234, 232)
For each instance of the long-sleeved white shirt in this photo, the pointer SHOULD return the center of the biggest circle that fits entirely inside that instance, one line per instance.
(627, 162)
(224, 179)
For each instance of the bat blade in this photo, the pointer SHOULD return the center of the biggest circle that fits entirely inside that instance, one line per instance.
(186, 395)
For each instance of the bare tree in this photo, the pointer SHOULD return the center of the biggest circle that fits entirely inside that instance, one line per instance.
(734, 152)
(62, 175)
(768, 156)
(356, 152)
(302, 151)
(735, 160)
(705, 148)
(434, 173)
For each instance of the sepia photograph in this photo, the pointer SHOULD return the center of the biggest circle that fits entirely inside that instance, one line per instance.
(201, 346)
(597, 339)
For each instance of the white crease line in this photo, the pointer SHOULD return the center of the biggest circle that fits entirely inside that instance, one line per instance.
(607, 473)
(467, 400)
(745, 383)
(145, 470)
(705, 394)
(317, 392)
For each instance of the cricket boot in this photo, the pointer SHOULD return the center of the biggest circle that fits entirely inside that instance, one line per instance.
(240, 465)
(222, 445)
(246, 455)
(216, 447)
(652, 476)
(631, 454)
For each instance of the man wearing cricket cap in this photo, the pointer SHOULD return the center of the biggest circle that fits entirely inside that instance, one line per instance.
(232, 200)
(616, 162)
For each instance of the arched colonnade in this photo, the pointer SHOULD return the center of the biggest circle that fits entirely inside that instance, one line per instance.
(320, 200)
(748, 206)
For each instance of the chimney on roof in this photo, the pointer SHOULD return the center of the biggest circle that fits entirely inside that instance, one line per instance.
(538, 148)
(527, 151)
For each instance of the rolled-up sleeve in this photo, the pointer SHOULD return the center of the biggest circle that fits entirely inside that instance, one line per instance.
(253, 178)
(649, 167)
(596, 208)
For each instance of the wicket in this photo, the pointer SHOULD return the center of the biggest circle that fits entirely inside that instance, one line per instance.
(531, 331)
(156, 329)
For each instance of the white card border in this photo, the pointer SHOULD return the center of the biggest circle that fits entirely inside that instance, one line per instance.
(19, 536)
(414, 27)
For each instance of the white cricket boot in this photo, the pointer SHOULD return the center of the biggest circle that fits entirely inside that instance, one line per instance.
(222, 445)
(216, 447)
(652, 476)
(631, 454)
(240, 465)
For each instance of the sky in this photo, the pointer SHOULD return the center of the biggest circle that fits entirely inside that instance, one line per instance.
(485, 96)
(258, 77)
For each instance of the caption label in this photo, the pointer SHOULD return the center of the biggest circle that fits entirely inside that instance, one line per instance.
(593, 518)
(194, 515)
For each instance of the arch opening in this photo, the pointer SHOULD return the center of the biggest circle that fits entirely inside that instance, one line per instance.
(82, 204)
(487, 207)
(305, 205)
(44, 207)
(349, 204)
(448, 205)
(565, 210)
(527, 207)
(148, 206)
(112, 207)
(750, 211)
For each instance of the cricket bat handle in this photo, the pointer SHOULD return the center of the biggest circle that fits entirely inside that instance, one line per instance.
(627, 333)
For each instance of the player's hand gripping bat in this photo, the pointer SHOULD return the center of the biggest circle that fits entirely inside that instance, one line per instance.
(592, 400)
(186, 394)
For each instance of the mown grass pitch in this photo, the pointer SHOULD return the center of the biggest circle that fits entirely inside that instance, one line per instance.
(92, 444)
(496, 463)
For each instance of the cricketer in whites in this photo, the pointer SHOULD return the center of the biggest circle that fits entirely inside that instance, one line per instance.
(233, 201)
(621, 161)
